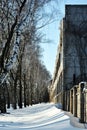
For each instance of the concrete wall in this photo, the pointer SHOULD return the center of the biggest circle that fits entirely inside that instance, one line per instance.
(75, 49)
(71, 59)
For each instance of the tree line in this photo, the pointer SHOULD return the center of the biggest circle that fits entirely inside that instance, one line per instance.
(23, 76)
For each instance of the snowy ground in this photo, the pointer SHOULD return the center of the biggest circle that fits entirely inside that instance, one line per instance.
(37, 117)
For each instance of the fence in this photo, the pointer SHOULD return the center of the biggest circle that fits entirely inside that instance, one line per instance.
(78, 101)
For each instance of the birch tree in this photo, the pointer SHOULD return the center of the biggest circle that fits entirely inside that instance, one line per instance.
(17, 18)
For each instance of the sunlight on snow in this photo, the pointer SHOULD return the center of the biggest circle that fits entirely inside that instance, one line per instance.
(37, 117)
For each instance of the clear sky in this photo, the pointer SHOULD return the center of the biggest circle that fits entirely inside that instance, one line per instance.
(52, 32)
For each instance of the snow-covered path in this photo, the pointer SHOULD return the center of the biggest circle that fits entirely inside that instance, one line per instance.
(37, 117)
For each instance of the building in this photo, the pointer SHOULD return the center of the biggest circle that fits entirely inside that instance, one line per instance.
(71, 59)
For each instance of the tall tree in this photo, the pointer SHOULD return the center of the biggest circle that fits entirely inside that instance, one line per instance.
(20, 23)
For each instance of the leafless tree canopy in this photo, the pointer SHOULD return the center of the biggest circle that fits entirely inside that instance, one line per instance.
(23, 76)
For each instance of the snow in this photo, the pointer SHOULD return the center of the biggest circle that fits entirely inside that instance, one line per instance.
(37, 117)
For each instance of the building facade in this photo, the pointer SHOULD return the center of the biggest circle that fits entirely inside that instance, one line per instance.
(71, 59)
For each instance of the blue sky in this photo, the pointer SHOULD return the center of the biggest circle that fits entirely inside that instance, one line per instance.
(52, 32)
